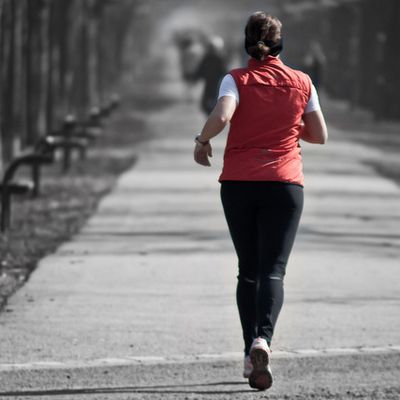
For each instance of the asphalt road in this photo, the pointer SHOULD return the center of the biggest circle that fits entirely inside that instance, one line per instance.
(361, 376)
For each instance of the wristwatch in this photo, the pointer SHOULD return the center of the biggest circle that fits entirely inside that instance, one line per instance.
(198, 141)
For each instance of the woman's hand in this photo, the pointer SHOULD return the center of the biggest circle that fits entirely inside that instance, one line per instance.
(201, 154)
(216, 122)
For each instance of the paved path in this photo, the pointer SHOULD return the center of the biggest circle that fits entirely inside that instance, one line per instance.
(149, 282)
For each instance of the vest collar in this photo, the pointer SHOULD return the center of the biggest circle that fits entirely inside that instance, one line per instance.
(269, 60)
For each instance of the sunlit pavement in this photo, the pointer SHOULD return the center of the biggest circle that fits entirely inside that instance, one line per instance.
(141, 303)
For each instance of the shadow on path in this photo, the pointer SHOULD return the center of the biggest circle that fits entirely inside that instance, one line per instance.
(193, 388)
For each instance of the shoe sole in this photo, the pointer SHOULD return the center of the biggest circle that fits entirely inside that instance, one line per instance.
(261, 377)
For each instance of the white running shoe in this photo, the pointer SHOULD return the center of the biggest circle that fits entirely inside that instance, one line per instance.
(247, 367)
(261, 375)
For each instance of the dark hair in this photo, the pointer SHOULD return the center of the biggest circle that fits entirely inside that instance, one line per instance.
(263, 35)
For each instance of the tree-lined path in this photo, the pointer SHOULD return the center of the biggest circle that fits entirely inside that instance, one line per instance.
(141, 303)
(147, 287)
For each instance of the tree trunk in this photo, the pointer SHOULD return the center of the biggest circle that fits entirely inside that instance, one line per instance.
(8, 58)
(1, 82)
(44, 67)
(392, 62)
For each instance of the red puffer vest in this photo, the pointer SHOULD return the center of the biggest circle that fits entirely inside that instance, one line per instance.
(263, 140)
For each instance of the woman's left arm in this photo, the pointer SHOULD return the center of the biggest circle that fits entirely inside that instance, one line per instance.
(216, 122)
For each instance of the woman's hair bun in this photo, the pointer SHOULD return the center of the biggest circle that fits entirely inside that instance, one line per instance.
(262, 33)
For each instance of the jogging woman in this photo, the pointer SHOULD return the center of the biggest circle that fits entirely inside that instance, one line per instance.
(270, 107)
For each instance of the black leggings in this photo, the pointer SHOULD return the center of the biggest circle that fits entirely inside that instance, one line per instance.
(263, 218)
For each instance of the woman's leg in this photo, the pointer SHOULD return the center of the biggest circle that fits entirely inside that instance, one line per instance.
(239, 205)
(279, 212)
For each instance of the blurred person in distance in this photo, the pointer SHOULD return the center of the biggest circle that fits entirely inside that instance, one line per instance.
(270, 108)
(314, 63)
(191, 52)
(211, 70)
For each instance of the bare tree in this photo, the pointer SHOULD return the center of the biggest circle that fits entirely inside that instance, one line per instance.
(57, 57)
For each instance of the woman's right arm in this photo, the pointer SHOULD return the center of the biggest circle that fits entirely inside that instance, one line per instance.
(314, 130)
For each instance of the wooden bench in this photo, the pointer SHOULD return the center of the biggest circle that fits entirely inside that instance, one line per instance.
(34, 158)
(69, 138)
